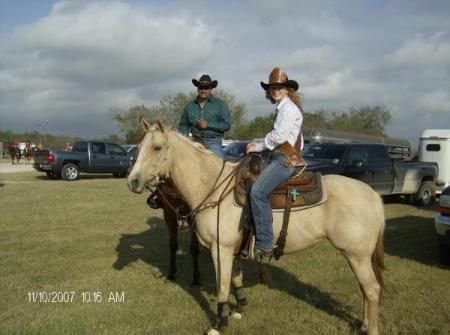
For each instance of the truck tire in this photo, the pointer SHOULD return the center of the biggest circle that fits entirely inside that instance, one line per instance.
(53, 175)
(70, 172)
(426, 194)
(119, 174)
(444, 253)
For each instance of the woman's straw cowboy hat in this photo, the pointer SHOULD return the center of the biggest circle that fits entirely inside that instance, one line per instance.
(279, 78)
(205, 81)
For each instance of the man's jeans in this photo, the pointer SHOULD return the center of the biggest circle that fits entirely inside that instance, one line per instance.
(272, 176)
(215, 145)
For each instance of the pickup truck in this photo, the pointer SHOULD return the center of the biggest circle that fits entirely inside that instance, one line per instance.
(372, 164)
(85, 156)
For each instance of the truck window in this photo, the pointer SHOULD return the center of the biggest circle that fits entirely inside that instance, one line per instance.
(378, 156)
(80, 147)
(332, 154)
(98, 148)
(114, 149)
(433, 147)
(357, 154)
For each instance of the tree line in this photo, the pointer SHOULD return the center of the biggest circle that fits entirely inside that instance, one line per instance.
(370, 120)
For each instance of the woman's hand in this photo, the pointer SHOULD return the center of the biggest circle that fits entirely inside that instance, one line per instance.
(251, 147)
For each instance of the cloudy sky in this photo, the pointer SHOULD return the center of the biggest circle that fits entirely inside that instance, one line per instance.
(65, 64)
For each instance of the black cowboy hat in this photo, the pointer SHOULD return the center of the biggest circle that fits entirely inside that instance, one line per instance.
(205, 81)
(279, 78)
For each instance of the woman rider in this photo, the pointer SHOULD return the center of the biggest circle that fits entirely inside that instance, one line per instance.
(284, 157)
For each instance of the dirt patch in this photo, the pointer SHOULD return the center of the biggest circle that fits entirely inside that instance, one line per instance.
(10, 168)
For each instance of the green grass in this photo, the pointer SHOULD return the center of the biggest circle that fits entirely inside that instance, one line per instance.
(94, 235)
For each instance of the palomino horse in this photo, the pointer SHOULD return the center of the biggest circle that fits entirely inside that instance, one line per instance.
(14, 151)
(352, 218)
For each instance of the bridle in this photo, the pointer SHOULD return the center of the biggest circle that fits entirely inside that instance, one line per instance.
(204, 204)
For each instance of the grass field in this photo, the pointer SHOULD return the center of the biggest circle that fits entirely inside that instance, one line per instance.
(93, 238)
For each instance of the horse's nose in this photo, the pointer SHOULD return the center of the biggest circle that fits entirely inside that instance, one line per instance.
(133, 184)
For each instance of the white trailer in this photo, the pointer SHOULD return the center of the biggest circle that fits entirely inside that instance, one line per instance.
(434, 146)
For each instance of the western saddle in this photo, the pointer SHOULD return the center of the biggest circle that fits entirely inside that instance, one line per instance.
(302, 190)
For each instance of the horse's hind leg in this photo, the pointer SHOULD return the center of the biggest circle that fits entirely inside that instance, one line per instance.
(362, 268)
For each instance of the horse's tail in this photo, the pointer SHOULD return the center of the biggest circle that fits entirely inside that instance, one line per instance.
(378, 253)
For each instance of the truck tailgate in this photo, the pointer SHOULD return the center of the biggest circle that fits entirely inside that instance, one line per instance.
(41, 156)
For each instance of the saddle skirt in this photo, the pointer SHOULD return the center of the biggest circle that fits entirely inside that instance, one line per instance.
(304, 189)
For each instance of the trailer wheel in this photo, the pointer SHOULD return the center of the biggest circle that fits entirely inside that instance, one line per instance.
(70, 172)
(426, 194)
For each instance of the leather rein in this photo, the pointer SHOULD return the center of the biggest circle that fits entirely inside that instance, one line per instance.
(204, 204)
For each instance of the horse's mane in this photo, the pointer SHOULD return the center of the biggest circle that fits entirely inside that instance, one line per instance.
(197, 146)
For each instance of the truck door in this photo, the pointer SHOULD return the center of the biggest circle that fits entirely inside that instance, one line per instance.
(356, 164)
(381, 170)
(119, 159)
(99, 159)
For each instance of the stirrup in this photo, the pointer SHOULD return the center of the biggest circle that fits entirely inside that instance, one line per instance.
(249, 253)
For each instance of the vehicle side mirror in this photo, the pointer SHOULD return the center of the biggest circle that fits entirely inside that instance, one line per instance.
(357, 163)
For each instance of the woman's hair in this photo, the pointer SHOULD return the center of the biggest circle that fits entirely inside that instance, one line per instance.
(292, 94)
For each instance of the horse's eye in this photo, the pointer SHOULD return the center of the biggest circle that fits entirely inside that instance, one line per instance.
(157, 148)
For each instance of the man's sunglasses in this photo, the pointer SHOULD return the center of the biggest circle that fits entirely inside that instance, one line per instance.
(204, 88)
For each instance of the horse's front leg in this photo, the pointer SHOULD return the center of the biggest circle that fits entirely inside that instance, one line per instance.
(223, 264)
(236, 280)
(194, 249)
(172, 226)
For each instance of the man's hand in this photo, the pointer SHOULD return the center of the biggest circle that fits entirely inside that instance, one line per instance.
(202, 124)
(251, 147)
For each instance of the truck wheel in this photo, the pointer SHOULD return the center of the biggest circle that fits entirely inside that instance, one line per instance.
(70, 172)
(426, 194)
(444, 253)
(53, 175)
(120, 174)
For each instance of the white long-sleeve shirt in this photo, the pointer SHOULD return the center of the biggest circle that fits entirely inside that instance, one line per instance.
(287, 125)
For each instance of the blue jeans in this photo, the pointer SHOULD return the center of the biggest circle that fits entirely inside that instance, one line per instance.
(273, 175)
(215, 145)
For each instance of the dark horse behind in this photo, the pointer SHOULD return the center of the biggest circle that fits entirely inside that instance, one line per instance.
(14, 151)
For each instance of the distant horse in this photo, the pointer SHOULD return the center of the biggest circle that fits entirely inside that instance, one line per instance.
(28, 153)
(352, 219)
(14, 151)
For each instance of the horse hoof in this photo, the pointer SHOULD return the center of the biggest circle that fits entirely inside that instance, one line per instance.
(236, 315)
(212, 331)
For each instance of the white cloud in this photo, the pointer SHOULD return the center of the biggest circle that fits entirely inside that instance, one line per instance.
(107, 41)
(422, 51)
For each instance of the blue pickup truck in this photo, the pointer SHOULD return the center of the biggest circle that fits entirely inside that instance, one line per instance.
(85, 156)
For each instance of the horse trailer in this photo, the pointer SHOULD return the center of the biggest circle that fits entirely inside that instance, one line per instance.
(434, 146)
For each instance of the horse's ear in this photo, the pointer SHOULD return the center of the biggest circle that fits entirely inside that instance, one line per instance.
(144, 124)
(161, 125)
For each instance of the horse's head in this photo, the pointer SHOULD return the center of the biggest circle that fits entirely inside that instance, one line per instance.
(153, 160)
